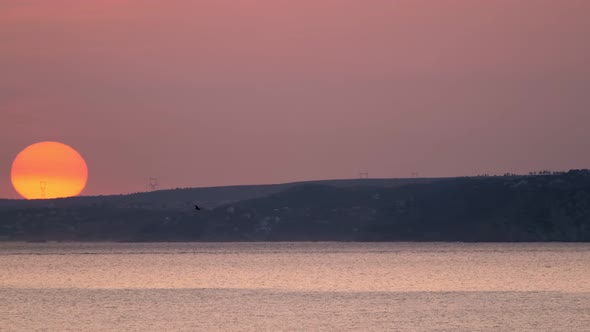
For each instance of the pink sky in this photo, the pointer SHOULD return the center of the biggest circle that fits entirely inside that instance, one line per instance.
(219, 92)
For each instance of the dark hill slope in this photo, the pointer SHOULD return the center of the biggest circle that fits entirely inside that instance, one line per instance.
(531, 208)
(182, 199)
(470, 209)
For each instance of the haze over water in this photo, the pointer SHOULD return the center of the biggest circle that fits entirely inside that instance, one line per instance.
(295, 286)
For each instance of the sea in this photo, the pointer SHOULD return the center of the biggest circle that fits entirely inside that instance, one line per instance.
(320, 286)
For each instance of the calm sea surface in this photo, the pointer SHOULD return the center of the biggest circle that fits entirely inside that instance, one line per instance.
(294, 287)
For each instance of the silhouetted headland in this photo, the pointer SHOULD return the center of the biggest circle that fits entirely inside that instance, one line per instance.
(545, 207)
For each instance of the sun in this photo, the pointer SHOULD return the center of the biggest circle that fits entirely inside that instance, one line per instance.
(49, 170)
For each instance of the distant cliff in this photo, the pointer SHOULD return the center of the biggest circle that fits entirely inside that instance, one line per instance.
(508, 208)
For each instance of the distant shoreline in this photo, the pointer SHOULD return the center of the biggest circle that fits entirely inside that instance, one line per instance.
(511, 209)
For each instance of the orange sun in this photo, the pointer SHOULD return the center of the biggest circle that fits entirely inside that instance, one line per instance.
(49, 170)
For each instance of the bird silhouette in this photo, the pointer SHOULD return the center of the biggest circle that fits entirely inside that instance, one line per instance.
(197, 207)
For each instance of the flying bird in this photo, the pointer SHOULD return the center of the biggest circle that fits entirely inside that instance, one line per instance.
(197, 207)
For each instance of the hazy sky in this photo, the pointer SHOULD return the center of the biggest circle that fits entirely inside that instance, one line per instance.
(218, 92)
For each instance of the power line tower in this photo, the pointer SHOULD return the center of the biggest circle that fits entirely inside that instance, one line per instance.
(43, 187)
(154, 183)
